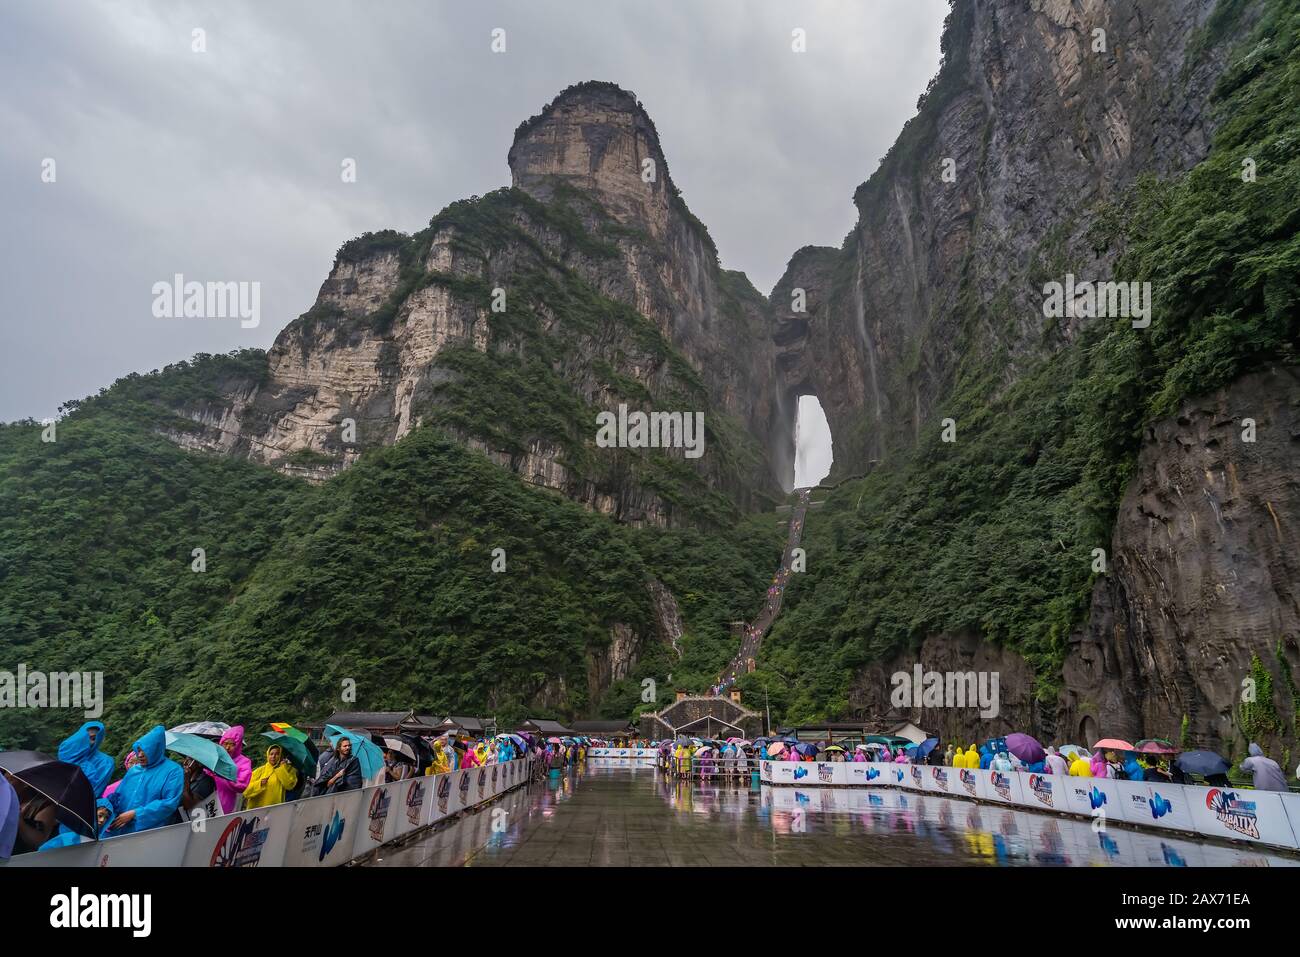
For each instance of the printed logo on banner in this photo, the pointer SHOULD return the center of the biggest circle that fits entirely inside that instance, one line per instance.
(482, 781)
(1001, 783)
(1041, 787)
(1233, 813)
(414, 801)
(872, 774)
(240, 844)
(1160, 806)
(323, 837)
(967, 779)
(899, 772)
(494, 775)
(464, 787)
(800, 773)
(379, 804)
(444, 792)
(916, 776)
(940, 776)
(1096, 797)
(825, 773)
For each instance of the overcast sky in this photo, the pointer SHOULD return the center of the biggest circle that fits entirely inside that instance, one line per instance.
(225, 165)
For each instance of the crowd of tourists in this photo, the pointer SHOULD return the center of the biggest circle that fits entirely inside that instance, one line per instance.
(1150, 759)
(201, 769)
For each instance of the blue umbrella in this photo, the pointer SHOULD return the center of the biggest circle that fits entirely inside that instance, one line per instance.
(212, 756)
(366, 751)
(925, 747)
(1202, 762)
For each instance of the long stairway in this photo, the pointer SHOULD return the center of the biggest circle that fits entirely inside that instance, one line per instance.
(760, 626)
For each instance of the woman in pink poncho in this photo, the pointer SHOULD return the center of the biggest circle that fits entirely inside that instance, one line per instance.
(228, 792)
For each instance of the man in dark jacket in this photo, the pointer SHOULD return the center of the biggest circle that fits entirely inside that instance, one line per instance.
(339, 771)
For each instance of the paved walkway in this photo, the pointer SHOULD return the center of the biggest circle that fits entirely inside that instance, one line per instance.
(610, 814)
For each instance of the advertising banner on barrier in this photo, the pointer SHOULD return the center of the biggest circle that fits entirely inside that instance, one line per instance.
(1000, 786)
(1044, 792)
(1092, 797)
(765, 771)
(255, 838)
(622, 752)
(1154, 805)
(323, 829)
(1240, 815)
(378, 817)
(941, 780)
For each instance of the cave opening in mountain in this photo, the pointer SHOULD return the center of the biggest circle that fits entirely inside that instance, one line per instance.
(812, 443)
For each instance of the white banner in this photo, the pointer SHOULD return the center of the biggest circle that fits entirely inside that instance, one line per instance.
(1242, 815)
(1043, 791)
(254, 838)
(1155, 805)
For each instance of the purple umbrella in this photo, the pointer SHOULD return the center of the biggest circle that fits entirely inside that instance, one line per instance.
(1024, 747)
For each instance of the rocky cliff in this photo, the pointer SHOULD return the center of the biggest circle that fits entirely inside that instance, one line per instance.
(513, 319)
(1042, 113)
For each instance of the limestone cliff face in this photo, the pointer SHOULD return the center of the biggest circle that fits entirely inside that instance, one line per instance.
(1204, 572)
(587, 216)
(1038, 131)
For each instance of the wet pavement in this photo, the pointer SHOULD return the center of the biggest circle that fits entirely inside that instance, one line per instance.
(613, 813)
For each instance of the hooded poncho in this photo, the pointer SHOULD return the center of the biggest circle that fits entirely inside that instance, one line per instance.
(1266, 772)
(228, 792)
(152, 790)
(78, 749)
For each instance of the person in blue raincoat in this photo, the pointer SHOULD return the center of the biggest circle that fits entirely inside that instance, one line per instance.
(68, 837)
(82, 749)
(151, 791)
(1133, 769)
(986, 756)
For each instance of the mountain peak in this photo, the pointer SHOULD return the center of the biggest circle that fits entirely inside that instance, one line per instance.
(597, 137)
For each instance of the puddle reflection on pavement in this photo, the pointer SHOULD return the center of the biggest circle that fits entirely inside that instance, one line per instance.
(614, 812)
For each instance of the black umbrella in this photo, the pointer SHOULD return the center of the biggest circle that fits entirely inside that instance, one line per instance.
(14, 761)
(67, 788)
(1201, 762)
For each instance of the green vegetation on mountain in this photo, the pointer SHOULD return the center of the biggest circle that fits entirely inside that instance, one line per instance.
(993, 535)
(382, 576)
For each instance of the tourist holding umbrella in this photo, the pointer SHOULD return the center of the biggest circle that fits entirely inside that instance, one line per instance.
(369, 756)
(200, 787)
(150, 793)
(1207, 764)
(82, 749)
(340, 770)
(230, 789)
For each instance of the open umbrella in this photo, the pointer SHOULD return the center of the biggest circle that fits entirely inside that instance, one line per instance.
(400, 747)
(1155, 746)
(286, 728)
(367, 752)
(204, 729)
(775, 748)
(67, 788)
(13, 761)
(1202, 762)
(1026, 748)
(206, 752)
(1074, 750)
(833, 747)
(1112, 744)
(212, 756)
(925, 747)
(552, 740)
(806, 749)
(295, 750)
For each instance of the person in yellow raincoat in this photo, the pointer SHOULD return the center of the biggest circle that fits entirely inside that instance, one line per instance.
(441, 764)
(269, 783)
(958, 759)
(972, 757)
(1080, 767)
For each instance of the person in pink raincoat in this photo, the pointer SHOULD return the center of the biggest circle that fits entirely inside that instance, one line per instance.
(228, 792)
(126, 766)
(1099, 767)
(859, 756)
